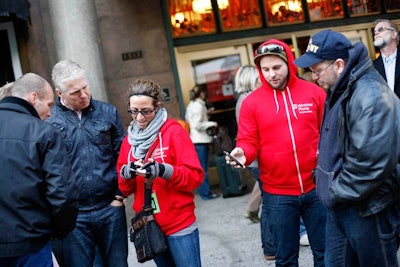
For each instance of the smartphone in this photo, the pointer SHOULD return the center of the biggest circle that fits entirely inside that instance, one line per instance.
(144, 166)
(234, 159)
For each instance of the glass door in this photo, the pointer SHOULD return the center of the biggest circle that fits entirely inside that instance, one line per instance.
(216, 69)
(202, 65)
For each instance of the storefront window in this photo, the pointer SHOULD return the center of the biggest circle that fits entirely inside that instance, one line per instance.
(325, 9)
(283, 11)
(238, 15)
(392, 5)
(191, 17)
(196, 17)
(363, 7)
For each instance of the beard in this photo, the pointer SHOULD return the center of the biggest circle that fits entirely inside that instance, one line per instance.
(382, 41)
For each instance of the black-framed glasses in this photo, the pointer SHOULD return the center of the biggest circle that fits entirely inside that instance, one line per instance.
(320, 71)
(144, 112)
(273, 48)
(382, 29)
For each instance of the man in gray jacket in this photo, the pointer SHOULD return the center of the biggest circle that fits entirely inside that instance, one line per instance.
(356, 176)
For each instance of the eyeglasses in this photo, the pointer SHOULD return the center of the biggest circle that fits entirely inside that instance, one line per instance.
(144, 112)
(320, 71)
(273, 48)
(382, 29)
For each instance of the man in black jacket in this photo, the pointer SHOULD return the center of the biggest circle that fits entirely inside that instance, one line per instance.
(93, 132)
(386, 38)
(357, 176)
(38, 199)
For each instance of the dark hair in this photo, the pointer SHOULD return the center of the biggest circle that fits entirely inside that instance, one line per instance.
(147, 88)
(196, 91)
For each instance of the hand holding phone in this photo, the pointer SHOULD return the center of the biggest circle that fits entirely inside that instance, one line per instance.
(144, 166)
(234, 159)
(142, 169)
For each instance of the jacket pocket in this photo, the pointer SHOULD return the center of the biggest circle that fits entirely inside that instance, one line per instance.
(101, 132)
(323, 182)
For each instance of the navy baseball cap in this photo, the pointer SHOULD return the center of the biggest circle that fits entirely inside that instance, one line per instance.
(324, 45)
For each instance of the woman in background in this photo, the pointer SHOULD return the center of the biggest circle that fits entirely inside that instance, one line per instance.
(197, 117)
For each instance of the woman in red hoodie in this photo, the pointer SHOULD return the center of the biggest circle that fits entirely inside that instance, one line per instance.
(176, 172)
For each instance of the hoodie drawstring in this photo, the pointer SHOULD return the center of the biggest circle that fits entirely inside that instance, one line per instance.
(276, 102)
(161, 148)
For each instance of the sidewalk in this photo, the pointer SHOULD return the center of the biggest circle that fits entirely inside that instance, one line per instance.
(226, 237)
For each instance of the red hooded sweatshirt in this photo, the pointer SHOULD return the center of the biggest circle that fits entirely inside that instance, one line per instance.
(174, 196)
(281, 129)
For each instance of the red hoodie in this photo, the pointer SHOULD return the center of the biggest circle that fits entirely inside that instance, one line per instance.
(174, 196)
(281, 129)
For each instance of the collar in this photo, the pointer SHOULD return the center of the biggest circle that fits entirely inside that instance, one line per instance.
(390, 58)
(21, 102)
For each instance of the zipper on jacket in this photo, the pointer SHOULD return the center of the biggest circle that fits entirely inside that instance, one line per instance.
(292, 137)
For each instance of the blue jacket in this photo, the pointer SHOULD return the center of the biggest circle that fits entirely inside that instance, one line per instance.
(38, 196)
(93, 144)
(359, 142)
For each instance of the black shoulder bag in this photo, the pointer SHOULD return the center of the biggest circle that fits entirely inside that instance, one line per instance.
(145, 233)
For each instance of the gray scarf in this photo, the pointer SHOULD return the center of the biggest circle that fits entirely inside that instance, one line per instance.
(140, 139)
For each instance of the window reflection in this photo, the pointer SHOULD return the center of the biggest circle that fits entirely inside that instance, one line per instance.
(392, 5)
(283, 12)
(237, 15)
(191, 17)
(207, 67)
(363, 7)
(196, 17)
(325, 9)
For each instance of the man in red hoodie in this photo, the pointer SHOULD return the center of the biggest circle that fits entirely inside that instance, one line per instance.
(280, 124)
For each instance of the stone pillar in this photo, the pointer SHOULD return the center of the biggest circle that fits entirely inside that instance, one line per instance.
(76, 37)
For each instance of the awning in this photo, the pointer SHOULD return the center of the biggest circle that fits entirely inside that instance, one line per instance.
(18, 7)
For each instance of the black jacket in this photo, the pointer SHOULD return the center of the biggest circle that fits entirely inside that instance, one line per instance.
(358, 162)
(93, 143)
(38, 198)
(378, 64)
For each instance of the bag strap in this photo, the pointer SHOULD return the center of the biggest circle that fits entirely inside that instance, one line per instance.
(148, 185)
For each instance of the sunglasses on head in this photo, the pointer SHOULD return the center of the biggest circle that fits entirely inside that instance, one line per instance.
(273, 48)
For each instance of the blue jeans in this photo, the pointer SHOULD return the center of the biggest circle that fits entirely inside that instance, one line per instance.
(40, 258)
(267, 239)
(183, 251)
(202, 151)
(104, 228)
(283, 213)
(352, 240)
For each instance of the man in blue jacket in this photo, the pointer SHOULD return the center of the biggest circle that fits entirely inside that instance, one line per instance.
(93, 133)
(357, 175)
(38, 195)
